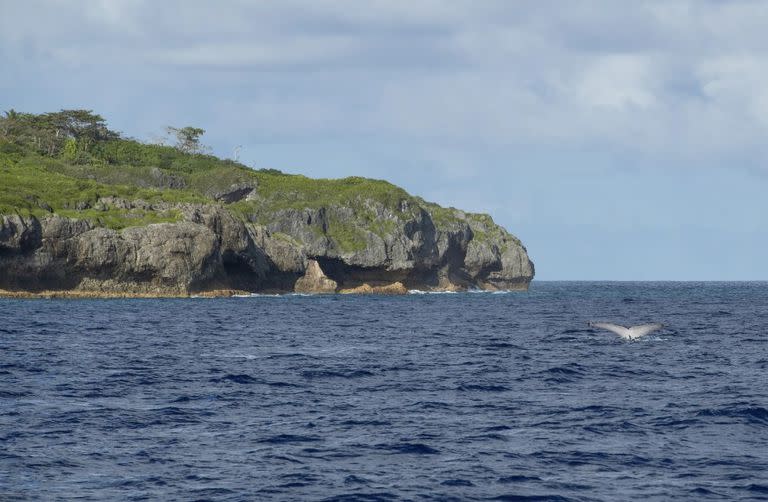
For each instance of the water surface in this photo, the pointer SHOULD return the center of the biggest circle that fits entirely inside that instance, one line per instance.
(424, 397)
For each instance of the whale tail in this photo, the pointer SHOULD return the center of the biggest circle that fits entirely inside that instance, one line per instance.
(630, 333)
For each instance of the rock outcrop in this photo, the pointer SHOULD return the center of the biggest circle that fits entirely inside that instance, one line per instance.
(173, 258)
(314, 280)
(396, 288)
(233, 193)
(368, 249)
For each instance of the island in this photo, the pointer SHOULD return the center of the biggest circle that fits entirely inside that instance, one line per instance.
(88, 212)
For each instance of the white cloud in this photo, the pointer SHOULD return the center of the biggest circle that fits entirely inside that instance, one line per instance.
(737, 83)
(653, 76)
(618, 81)
(271, 52)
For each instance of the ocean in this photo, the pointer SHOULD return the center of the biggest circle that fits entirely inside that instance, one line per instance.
(469, 396)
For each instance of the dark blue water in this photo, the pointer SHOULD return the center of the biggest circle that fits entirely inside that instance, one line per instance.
(422, 397)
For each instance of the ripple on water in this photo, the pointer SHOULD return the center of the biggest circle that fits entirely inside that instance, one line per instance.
(755, 415)
(424, 397)
(345, 374)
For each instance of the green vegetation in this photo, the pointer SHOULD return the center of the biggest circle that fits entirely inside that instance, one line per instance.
(119, 219)
(485, 230)
(348, 238)
(442, 217)
(282, 191)
(67, 132)
(32, 187)
(187, 138)
(64, 162)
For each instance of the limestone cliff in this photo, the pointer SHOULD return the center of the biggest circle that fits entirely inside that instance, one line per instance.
(84, 210)
(211, 248)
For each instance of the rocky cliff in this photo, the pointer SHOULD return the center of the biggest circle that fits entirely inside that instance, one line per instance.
(211, 248)
(125, 218)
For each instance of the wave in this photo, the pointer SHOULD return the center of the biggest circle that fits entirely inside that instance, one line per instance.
(482, 388)
(362, 497)
(408, 448)
(355, 480)
(563, 374)
(457, 482)
(532, 498)
(289, 438)
(751, 414)
(518, 479)
(376, 423)
(468, 291)
(270, 295)
(315, 374)
(240, 378)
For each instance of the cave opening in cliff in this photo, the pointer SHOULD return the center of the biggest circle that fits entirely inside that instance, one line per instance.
(240, 275)
(351, 276)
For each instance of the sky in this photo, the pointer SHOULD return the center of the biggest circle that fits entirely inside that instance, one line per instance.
(618, 140)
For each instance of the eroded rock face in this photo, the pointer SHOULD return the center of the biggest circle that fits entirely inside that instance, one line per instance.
(371, 248)
(161, 179)
(234, 193)
(162, 257)
(286, 255)
(166, 256)
(402, 242)
(314, 280)
(19, 234)
(396, 288)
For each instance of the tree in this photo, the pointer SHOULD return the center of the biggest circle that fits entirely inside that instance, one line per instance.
(48, 133)
(82, 125)
(70, 149)
(7, 122)
(187, 138)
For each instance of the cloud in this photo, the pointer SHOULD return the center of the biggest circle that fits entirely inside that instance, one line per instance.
(569, 120)
(298, 50)
(659, 77)
(618, 81)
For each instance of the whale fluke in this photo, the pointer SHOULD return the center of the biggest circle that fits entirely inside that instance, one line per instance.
(630, 333)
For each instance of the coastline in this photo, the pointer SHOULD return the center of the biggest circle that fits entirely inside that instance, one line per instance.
(223, 293)
(76, 294)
